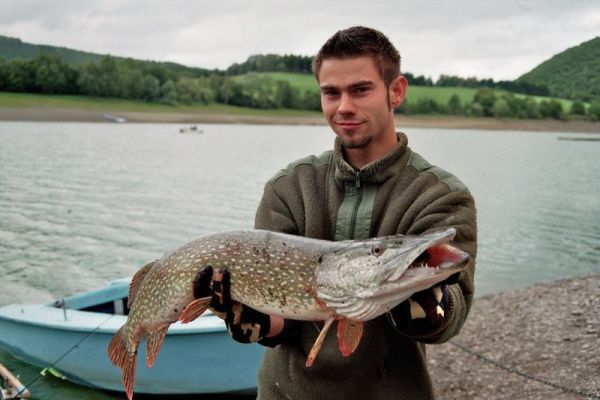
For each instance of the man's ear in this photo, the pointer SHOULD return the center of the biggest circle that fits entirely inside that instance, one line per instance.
(397, 91)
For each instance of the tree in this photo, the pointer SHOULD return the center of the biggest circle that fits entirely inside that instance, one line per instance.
(133, 81)
(578, 108)
(20, 76)
(88, 81)
(522, 106)
(311, 100)
(52, 75)
(551, 109)
(426, 105)
(151, 88)
(454, 105)
(286, 96)
(418, 80)
(500, 108)
(169, 93)
(188, 90)
(594, 111)
(486, 98)
(111, 84)
(475, 109)
(3, 74)
(230, 91)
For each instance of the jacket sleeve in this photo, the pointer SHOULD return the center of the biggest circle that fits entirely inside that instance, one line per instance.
(273, 214)
(440, 208)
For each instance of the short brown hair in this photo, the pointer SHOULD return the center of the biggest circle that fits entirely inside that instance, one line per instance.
(360, 41)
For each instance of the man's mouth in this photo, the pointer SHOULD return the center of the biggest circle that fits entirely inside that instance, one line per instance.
(348, 124)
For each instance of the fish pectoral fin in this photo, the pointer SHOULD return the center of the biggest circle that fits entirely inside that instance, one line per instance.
(120, 356)
(319, 342)
(153, 342)
(349, 333)
(195, 309)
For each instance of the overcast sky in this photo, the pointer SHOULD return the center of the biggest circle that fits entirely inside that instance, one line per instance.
(486, 39)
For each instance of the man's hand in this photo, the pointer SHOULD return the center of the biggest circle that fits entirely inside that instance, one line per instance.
(244, 324)
(425, 309)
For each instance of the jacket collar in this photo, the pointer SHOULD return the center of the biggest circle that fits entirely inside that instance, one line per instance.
(374, 172)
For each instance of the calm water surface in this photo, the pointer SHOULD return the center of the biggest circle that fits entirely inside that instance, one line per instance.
(81, 204)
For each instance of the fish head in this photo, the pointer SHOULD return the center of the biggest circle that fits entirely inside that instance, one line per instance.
(364, 279)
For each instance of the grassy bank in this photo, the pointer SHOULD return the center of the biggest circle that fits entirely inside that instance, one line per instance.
(305, 82)
(44, 108)
(17, 100)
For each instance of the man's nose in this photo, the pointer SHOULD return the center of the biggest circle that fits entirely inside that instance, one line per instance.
(346, 104)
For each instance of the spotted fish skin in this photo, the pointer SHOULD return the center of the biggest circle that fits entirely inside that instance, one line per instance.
(286, 275)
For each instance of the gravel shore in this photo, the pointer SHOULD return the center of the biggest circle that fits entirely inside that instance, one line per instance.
(542, 342)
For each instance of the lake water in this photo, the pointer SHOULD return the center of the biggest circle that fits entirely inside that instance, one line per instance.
(81, 204)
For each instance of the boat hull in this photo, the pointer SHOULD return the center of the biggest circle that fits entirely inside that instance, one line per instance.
(199, 357)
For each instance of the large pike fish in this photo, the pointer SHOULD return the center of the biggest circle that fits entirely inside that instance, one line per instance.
(290, 276)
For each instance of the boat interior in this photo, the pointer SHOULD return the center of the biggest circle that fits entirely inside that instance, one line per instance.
(109, 300)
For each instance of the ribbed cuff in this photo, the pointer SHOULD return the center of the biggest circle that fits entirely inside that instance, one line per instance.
(289, 331)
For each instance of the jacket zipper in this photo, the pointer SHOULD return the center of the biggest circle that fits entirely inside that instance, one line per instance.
(356, 205)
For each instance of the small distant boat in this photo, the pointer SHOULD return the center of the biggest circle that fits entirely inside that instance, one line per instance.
(113, 118)
(71, 336)
(191, 129)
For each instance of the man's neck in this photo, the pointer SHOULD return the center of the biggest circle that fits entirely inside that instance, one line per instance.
(359, 157)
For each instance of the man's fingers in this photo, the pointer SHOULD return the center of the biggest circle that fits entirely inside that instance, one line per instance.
(226, 285)
(221, 297)
(202, 282)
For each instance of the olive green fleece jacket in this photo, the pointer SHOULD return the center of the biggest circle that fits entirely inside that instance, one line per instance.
(324, 197)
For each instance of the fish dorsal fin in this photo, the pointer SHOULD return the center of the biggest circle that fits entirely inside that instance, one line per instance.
(349, 333)
(135, 282)
(153, 342)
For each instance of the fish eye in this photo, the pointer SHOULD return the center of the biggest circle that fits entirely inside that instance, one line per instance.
(377, 250)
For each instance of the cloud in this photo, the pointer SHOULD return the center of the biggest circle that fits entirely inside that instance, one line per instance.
(498, 39)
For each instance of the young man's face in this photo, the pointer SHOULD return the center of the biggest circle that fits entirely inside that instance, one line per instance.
(356, 102)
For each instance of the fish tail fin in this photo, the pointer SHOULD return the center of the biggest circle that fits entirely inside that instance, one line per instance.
(153, 342)
(195, 309)
(121, 356)
(349, 333)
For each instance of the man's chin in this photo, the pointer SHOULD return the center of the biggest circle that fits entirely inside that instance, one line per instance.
(355, 142)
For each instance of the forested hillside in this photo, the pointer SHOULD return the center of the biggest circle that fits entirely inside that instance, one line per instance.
(574, 73)
(268, 81)
(15, 49)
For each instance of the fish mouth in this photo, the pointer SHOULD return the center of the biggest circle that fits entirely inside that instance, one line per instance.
(441, 255)
(430, 252)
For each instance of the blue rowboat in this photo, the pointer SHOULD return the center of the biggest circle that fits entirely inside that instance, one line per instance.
(72, 336)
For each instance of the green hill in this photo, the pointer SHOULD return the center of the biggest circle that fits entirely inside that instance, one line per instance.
(574, 73)
(13, 48)
(305, 82)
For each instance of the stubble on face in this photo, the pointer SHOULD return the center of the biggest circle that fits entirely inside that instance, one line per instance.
(364, 142)
(356, 103)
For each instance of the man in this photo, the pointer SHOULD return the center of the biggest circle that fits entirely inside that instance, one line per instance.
(371, 184)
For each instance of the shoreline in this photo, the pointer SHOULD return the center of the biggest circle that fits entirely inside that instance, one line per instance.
(68, 114)
(536, 343)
